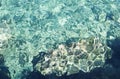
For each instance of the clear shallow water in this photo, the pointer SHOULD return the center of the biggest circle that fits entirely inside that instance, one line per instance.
(31, 26)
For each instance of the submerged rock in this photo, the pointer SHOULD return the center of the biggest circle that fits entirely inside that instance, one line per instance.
(4, 72)
(60, 62)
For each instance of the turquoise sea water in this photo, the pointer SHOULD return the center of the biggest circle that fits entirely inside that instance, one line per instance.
(30, 26)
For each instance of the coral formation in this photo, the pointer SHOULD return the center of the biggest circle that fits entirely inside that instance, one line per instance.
(84, 55)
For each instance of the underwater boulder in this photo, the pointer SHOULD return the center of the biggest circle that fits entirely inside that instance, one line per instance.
(85, 55)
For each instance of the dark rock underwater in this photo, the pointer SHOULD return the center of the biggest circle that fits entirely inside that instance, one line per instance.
(110, 70)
